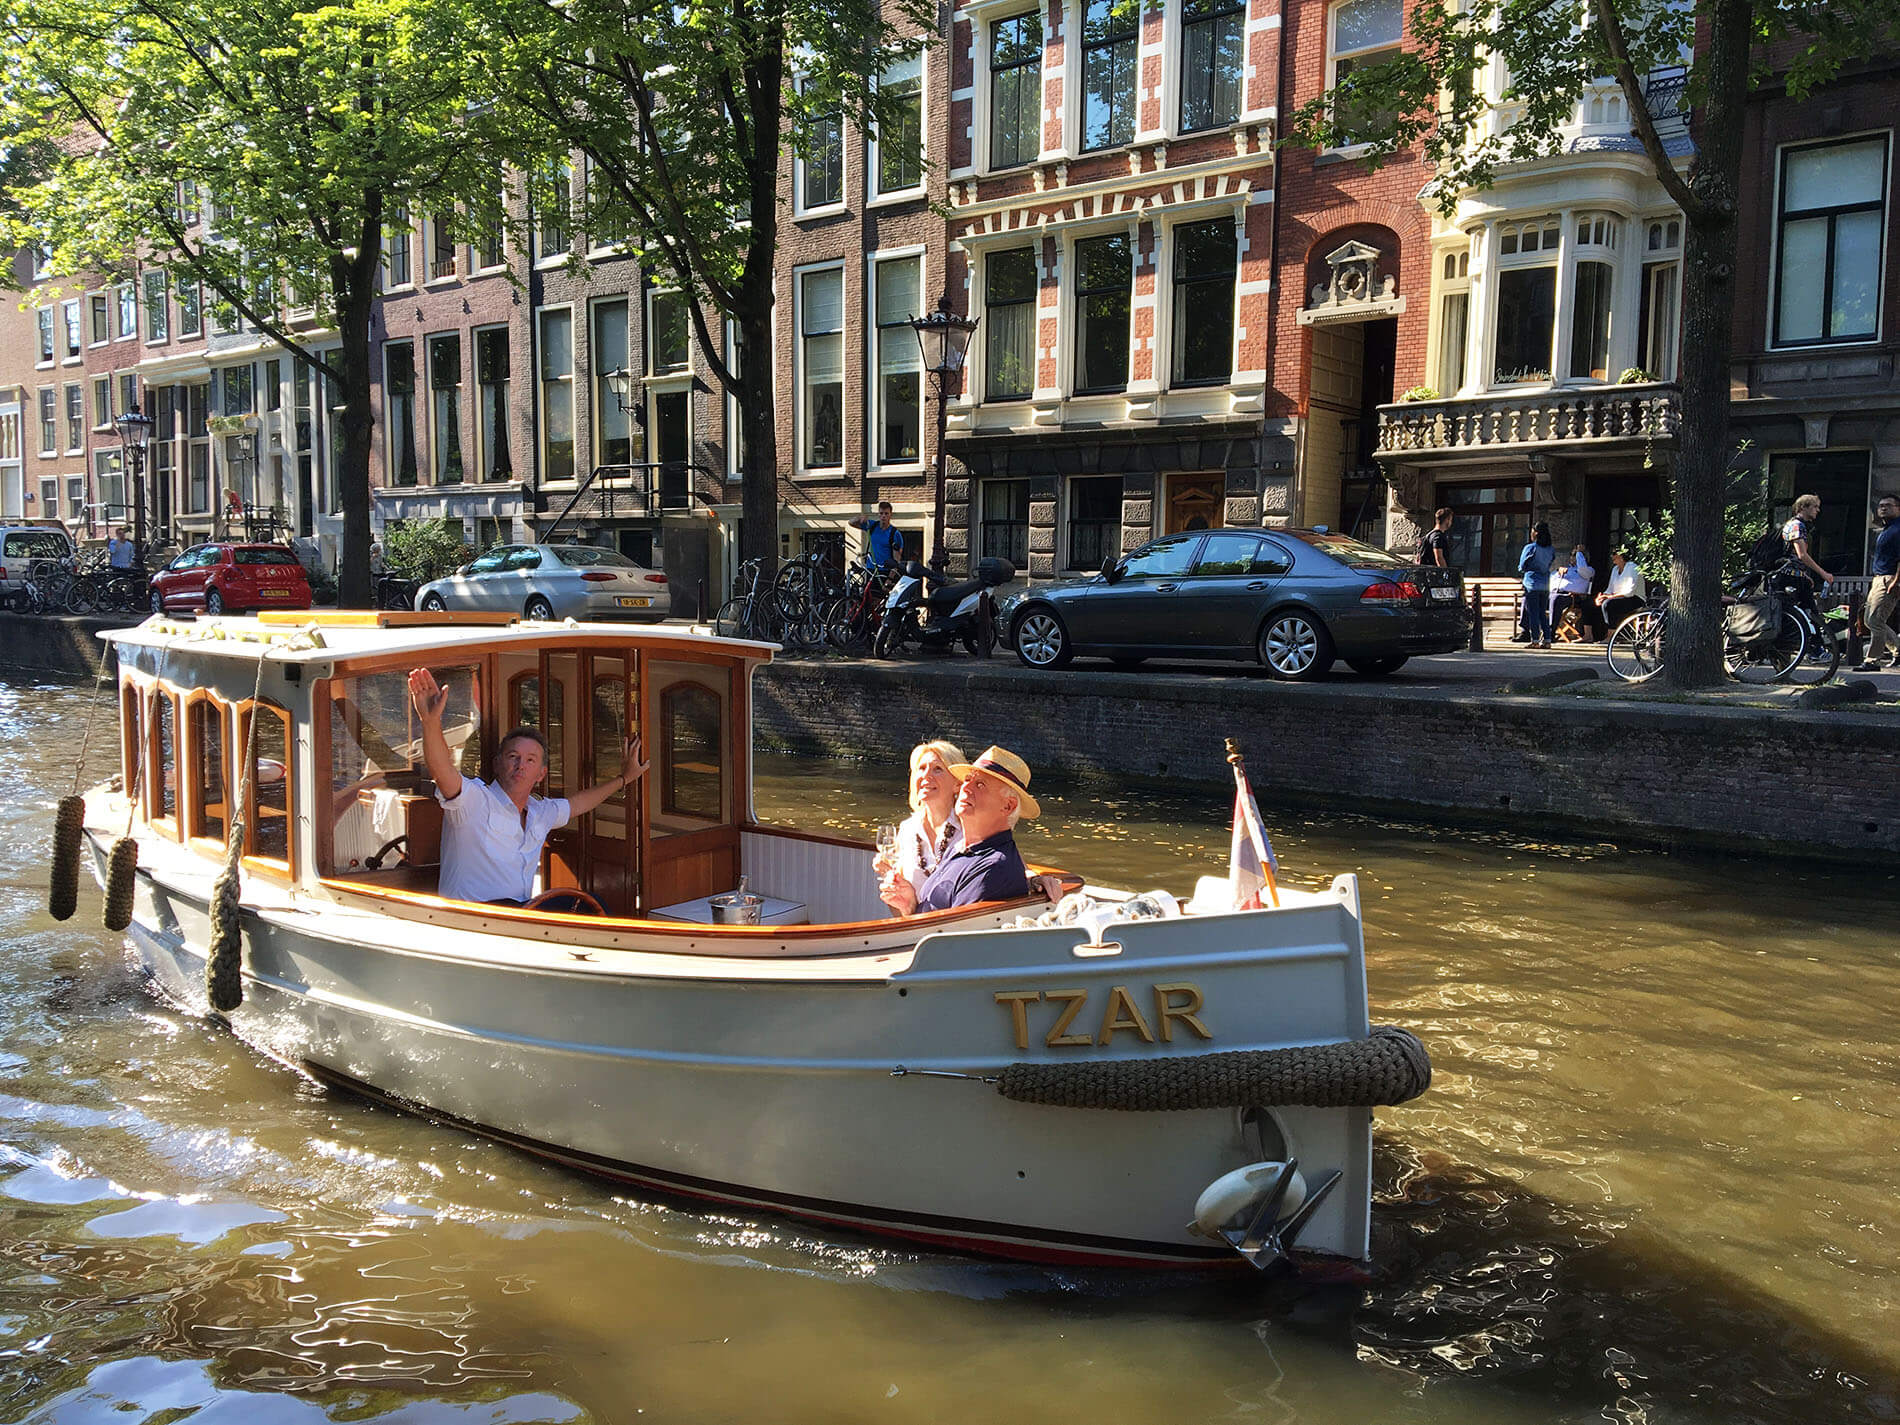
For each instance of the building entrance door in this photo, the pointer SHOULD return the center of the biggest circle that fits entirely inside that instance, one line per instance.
(672, 447)
(1195, 502)
(1490, 526)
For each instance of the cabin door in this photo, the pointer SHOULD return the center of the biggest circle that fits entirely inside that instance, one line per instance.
(694, 789)
(610, 841)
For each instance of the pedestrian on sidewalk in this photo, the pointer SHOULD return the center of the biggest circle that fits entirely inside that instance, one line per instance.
(1628, 590)
(887, 541)
(120, 551)
(1533, 564)
(1883, 595)
(1434, 551)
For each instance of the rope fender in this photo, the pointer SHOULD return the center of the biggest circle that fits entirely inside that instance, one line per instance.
(1388, 1067)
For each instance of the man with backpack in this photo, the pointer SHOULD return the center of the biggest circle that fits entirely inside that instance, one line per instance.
(1434, 551)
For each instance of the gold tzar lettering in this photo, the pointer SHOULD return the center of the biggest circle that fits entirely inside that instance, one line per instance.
(1167, 1011)
(1019, 1002)
(1123, 1013)
(1058, 1036)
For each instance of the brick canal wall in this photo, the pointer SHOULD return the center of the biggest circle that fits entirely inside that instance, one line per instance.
(67, 645)
(1808, 783)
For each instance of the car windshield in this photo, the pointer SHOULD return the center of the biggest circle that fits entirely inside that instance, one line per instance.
(263, 556)
(592, 556)
(1351, 552)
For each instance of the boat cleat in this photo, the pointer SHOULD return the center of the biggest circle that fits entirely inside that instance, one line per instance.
(1259, 1209)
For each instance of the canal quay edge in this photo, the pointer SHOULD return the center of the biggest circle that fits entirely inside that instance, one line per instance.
(1800, 782)
(1808, 783)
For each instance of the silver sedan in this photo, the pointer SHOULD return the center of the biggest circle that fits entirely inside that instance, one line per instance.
(552, 581)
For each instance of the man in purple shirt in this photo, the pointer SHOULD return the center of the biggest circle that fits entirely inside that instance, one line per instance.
(987, 866)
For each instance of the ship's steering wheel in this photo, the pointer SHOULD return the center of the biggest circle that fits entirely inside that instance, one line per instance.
(588, 905)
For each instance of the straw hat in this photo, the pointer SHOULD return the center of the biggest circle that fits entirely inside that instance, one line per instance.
(1005, 767)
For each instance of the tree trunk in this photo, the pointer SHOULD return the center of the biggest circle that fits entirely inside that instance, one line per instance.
(758, 417)
(352, 472)
(1692, 653)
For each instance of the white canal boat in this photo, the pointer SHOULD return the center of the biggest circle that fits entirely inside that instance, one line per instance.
(1153, 1091)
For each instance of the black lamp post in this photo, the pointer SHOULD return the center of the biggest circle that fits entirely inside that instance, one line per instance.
(944, 339)
(621, 384)
(135, 432)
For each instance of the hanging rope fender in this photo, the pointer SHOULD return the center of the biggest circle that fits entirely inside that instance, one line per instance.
(69, 823)
(224, 964)
(1390, 1066)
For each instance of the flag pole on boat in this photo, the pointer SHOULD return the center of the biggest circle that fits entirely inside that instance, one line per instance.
(1251, 864)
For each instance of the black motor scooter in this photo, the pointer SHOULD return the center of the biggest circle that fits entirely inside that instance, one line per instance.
(924, 608)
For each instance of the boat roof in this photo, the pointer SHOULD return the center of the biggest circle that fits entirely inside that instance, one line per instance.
(328, 635)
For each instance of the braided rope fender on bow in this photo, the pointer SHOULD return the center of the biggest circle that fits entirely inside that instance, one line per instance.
(1389, 1066)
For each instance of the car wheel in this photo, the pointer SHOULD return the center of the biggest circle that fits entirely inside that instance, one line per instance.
(1295, 645)
(539, 609)
(214, 602)
(158, 602)
(434, 605)
(1041, 640)
(1377, 667)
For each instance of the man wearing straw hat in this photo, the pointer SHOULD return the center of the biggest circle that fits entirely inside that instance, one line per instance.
(987, 866)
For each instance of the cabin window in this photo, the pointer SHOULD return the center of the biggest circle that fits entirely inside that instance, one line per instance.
(267, 828)
(692, 753)
(132, 739)
(204, 727)
(376, 746)
(164, 757)
(527, 707)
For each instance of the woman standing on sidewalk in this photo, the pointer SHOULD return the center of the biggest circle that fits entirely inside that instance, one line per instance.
(1534, 564)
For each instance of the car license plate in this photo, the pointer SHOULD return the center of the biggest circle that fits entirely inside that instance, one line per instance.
(275, 593)
(626, 602)
(1443, 593)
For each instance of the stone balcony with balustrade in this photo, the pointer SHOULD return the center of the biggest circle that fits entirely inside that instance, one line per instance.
(1554, 421)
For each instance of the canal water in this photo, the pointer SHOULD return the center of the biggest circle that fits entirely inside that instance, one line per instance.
(1653, 1181)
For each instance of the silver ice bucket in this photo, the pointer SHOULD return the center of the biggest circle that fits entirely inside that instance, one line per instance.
(737, 908)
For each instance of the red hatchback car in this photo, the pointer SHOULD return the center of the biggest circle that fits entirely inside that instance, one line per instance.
(227, 578)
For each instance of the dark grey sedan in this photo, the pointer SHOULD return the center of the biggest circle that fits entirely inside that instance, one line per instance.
(1296, 599)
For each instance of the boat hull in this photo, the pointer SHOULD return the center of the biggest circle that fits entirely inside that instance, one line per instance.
(774, 1087)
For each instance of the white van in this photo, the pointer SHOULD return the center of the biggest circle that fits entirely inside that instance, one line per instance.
(20, 546)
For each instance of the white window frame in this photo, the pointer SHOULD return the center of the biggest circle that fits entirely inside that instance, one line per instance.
(540, 389)
(74, 447)
(1770, 316)
(72, 318)
(49, 317)
(799, 402)
(48, 425)
(1164, 285)
(876, 196)
(429, 227)
(976, 361)
(1650, 262)
(462, 354)
(1497, 263)
(484, 456)
(600, 398)
(1073, 108)
(1174, 55)
(874, 376)
(163, 335)
(983, 26)
(735, 418)
(1068, 324)
(390, 232)
(387, 424)
(542, 259)
(799, 208)
(102, 410)
(1333, 56)
(1455, 253)
(120, 330)
(103, 295)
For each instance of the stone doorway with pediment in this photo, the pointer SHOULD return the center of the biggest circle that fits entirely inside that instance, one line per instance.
(1195, 502)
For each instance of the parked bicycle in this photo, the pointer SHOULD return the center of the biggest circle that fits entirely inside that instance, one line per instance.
(396, 589)
(1774, 632)
(854, 616)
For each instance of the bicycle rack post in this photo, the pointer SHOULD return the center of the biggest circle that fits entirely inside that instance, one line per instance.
(1477, 619)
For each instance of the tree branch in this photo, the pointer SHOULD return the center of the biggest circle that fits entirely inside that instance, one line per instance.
(1672, 181)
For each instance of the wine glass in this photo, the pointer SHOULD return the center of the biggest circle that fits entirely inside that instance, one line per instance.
(887, 845)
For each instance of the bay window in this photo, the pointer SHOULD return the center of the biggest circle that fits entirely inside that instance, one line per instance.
(1828, 239)
(1016, 89)
(1454, 320)
(1009, 324)
(1205, 256)
(1213, 62)
(1110, 36)
(1590, 322)
(445, 407)
(1526, 302)
(557, 394)
(900, 361)
(821, 364)
(1660, 320)
(1104, 274)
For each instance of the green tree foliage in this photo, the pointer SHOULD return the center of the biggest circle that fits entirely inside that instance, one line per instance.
(683, 113)
(1434, 97)
(424, 549)
(301, 125)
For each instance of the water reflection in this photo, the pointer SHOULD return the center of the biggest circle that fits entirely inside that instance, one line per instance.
(1652, 1182)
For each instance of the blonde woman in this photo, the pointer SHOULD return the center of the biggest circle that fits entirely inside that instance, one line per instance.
(930, 832)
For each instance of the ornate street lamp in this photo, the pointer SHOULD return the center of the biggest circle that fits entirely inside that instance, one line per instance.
(135, 432)
(621, 384)
(944, 339)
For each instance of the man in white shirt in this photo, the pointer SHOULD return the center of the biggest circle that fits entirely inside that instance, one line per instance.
(1627, 593)
(492, 831)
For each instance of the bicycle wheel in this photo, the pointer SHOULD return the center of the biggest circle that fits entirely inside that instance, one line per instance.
(1821, 658)
(1774, 662)
(80, 598)
(1634, 648)
(730, 619)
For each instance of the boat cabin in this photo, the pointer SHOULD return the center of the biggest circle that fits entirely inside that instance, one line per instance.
(341, 802)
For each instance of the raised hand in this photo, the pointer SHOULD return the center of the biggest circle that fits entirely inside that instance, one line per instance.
(430, 697)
